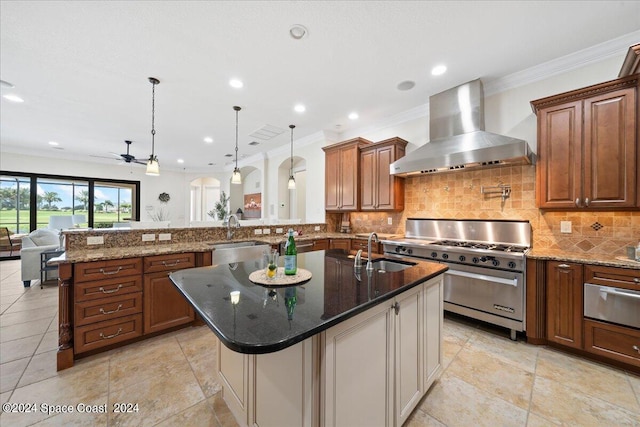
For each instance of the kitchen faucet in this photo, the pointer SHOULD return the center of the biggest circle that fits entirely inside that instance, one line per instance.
(227, 223)
(372, 236)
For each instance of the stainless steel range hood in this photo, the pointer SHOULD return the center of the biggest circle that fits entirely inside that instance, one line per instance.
(458, 139)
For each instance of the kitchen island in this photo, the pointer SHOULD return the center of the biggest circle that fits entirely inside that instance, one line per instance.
(344, 348)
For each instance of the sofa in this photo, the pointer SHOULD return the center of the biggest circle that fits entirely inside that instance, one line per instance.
(33, 245)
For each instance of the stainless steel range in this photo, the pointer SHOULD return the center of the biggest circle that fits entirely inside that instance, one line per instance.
(486, 260)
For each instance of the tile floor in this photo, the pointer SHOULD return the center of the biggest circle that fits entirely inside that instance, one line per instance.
(488, 380)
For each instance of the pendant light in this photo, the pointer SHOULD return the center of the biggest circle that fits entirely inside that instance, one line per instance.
(236, 178)
(292, 180)
(153, 168)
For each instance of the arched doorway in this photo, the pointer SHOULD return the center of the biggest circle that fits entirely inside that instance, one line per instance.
(292, 203)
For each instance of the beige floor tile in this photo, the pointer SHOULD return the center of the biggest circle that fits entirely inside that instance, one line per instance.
(223, 413)
(91, 413)
(200, 414)
(516, 353)
(421, 419)
(22, 330)
(449, 352)
(27, 316)
(3, 306)
(534, 420)
(564, 405)
(11, 372)
(596, 380)
(493, 376)
(205, 369)
(20, 348)
(634, 380)
(49, 342)
(158, 397)
(4, 397)
(197, 341)
(32, 305)
(457, 333)
(457, 403)
(9, 299)
(41, 367)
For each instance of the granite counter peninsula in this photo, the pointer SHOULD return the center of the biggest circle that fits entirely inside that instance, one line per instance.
(345, 348)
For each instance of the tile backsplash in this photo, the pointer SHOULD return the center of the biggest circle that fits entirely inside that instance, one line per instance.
(458, 195)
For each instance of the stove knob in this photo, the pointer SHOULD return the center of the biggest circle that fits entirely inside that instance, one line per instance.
(445, 256)
(409, 251)
(434, 255)
(483, 259)
(475, 260)
(512, 264)
(398, 249)
(495, 262)
(462, 258)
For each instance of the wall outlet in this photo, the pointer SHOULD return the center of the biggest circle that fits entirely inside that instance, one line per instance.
(316, 228)
(565, 227)
(95, 240)
(148, 237)
(390, 220)
(257, 231)
(164, 236)
(279, 231)
(266, 231)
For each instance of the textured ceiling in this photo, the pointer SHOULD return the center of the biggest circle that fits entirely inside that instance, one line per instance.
(82, 67)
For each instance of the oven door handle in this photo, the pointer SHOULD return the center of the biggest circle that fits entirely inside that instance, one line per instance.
(511, 282)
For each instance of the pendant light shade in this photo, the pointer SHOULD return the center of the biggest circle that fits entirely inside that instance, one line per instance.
(236, 178)
(292, 181)
(153, 167)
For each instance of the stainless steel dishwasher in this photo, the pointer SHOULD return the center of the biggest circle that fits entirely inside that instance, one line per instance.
(612, 305)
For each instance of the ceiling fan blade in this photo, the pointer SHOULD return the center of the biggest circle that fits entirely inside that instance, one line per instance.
(105, 157)
(139, 162)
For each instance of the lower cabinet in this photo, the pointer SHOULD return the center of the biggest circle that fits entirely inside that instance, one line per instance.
(564, 303)
(612, 341)
(344, 244)
(379, 364)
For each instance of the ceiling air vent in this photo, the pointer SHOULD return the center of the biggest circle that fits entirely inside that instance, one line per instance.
(266, 132)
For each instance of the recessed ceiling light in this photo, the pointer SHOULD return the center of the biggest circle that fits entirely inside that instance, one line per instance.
(299, 108)
(406, 85)
(180, 161)
(438, 70)
(53, 143)
(237, 83)
(298, 31)
(13, 98)
(208, 140)
(6, 84)
(353, 116)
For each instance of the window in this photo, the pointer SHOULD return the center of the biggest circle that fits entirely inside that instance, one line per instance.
(14, 203)
(113, 203)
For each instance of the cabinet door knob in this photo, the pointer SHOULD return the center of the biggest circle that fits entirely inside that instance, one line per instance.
(578, 202)
(586, 202)
(396, 307)
(635, 347)
(564, 266)
(635, 279)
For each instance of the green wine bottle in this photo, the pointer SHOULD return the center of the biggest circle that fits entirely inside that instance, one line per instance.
(290, 256)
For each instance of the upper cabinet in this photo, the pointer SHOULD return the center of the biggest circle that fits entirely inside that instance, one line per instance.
(379, 190)
(588, 147)
(342, 175)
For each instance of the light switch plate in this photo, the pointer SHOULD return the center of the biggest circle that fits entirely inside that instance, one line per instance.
(565, 227)
(266, 231)
(279, 231)
(95, 240)
(316, 228)
(257, 231)
(148, 237)
(164, 236)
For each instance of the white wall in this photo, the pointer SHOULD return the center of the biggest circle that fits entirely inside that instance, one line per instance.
(508, 112)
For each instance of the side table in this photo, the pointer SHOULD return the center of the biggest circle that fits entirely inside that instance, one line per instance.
(44, 267)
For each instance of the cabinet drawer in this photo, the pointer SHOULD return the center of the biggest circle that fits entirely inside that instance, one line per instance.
(107, 308)
(340, 244)
(96, 335)
(612, 276)
(612, 341)
(99, 270)
(172, 262)
(357, 244)
(107, 288)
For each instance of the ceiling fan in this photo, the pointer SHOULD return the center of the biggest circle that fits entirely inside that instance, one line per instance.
(127, 158)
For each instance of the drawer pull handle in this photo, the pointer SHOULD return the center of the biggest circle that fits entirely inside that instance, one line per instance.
(108, 337)
(635, 279)
(635, 347)
(112, 311)
(564, 266)
(108, 273)
(171, 265)
(113, 291)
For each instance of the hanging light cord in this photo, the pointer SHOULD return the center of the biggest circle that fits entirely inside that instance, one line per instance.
(154, 82)
(291, 157)
(237, 109)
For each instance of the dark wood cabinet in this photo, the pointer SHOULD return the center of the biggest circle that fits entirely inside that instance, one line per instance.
(164, 306)
(564, 303)
(379, 190)
(344, 244)
(342, 175)
(363, 244)
(587, 147)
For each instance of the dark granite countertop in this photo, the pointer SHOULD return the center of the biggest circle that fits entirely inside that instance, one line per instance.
(270, 319)
(597, 259)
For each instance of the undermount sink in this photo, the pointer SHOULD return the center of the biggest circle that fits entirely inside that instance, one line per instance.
(383, 264)
(230, 252)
